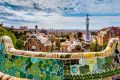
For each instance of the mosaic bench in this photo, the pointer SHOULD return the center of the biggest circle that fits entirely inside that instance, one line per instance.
(56, 66)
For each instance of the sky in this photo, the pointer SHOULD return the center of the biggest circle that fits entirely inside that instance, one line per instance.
(60, 14)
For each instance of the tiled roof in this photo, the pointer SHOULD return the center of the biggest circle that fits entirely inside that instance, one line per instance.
(72, 44)
(41, 38)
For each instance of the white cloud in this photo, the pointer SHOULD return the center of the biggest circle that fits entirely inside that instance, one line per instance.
(56, 18)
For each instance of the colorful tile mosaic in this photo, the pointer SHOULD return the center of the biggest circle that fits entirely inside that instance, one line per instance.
(55, 66)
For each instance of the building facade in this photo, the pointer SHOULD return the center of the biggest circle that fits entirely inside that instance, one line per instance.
(72, 46)
(104, 35)
(38, 42)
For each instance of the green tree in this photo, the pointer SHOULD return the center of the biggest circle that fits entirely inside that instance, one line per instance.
(95, 47)
(19, 44)
(52, 39)
(98, 48)
(93, 33)
(79, 34)
(104, 45)
(4, 31)
(92, 47)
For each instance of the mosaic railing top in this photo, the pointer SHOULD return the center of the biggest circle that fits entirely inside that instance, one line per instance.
(9, 48)
(38, 60)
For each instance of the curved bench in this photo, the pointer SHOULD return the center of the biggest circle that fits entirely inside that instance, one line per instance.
(55, 58)
(8, 77)
(9, 48)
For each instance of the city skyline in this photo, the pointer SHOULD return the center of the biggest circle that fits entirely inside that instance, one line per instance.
(60, 14)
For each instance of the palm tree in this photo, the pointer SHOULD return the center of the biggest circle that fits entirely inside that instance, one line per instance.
(52, 39)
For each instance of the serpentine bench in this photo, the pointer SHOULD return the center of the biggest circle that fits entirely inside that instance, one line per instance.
(51, 66)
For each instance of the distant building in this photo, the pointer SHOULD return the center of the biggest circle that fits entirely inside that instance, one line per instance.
(23, 27)
(38, 42)
(1, 24)
(12, 27)
(36, 27)
(19, 30)
(104, 35)
(71, 46)
(64, 46)
(43, 31)
(61, 32)
(72, 37)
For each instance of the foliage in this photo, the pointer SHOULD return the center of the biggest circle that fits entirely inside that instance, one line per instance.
(19, 44)
(93, 33)
(21, 37)
(104, 45)
(79, 34)
(4, 31)
(92, 47)
(62, 40)
(95, 47)
(52, 39)
(17, 35)
(98, 47)
(17, 38)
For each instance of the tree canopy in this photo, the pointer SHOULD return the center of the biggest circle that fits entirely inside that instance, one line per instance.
(4, 32)
(18, 43)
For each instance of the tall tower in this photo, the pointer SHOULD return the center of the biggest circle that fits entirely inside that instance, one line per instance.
(88, 34)
(36, 28)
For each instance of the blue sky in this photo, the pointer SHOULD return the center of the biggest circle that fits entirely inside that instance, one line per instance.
(60, 14)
